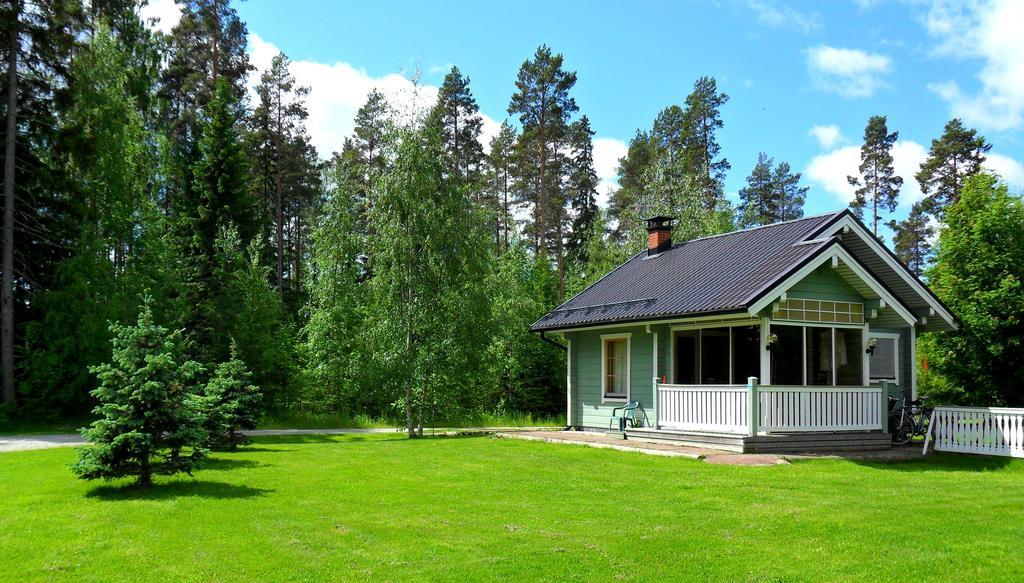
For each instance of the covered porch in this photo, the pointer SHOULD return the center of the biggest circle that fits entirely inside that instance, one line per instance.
(763, 418)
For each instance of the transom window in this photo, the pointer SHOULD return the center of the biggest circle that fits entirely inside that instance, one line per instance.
(615, 366)
(826, 312)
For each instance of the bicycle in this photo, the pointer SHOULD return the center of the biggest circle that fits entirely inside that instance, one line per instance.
(909, 420)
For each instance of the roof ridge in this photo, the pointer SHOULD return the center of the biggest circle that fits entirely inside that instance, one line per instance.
(748, 229)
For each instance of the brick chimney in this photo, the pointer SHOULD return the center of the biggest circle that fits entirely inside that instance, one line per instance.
(659, 234)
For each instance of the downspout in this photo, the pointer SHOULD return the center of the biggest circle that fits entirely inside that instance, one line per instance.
(568, 377)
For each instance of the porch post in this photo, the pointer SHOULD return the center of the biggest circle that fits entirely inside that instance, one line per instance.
(752, 405)
(885, 405)
(654, 400)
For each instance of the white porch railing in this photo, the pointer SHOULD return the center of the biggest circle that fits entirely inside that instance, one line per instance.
(981, 430)
(821, 408)
(751, 409)
(715, 408)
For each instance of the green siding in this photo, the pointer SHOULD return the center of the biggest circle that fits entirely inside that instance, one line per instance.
(588, 410)
(824, 284)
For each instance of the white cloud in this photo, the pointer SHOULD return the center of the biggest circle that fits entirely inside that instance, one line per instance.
(772, 15)
(166, 11)
(989, 30)
(607, 152)
(829, 170)
(1009, 169)
(338, 90)
(847, 72)
(827, 136)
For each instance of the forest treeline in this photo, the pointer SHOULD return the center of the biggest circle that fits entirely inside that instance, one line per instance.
(395, 278)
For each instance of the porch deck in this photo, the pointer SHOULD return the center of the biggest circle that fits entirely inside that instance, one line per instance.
(802, 442)
(769, 419)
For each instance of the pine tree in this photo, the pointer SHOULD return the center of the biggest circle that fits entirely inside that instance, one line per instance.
(205, 49)
(456, 116)
(544, 106)
(368, 146)
(632, 170)
(222, 199)
(790, 194)
(246, 311)
(701, 121)
(502, 161)
(759, 204)
(37, 44)
(582, 185)
(149, 417)
(952, 159)
(231, 403)
(912, 239)
(878, 186)
(287, 164)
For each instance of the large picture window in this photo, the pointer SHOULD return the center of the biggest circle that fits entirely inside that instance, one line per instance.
(817, 356)
(787, 355)
(717, 356)
(615, 365)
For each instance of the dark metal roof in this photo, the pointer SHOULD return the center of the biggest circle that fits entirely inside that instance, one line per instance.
(719, 274)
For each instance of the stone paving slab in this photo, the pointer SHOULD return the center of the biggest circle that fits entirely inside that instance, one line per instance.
(712, 456)
(601, 441)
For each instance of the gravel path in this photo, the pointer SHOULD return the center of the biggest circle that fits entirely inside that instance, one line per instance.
(27, 442)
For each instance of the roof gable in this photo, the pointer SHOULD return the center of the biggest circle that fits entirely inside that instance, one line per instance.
(722, 273)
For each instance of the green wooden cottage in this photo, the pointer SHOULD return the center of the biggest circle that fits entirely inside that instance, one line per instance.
(788, 336)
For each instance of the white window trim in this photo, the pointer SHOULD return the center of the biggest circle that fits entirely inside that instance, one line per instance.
(739, 323)
(895, 352)
(628, 337)
(835, 371)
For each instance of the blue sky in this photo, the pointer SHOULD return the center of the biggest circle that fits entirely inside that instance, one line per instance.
(803, 77)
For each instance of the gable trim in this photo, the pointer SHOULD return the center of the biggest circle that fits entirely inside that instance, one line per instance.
(847, 222)
(834, 252)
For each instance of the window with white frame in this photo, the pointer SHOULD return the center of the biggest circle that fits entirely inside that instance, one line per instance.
(816, 355)
(615, 366)
(883, 363)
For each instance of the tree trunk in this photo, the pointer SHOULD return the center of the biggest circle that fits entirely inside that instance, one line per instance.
(298, 247)
(145, 472)
(409, 425)
(279, 186)
(7, 293)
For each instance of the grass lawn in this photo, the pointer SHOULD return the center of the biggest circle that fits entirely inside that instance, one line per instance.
(384, 507)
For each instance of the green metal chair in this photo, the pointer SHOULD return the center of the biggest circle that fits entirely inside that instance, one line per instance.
(632, 415)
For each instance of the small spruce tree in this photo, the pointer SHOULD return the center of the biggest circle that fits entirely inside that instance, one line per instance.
(232, 402)
(149, 417)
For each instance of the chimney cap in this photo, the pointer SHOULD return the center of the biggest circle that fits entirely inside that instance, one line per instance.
(659, 222)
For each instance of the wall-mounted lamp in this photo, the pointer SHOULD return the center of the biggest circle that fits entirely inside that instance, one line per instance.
(872, 343)
(773, 338)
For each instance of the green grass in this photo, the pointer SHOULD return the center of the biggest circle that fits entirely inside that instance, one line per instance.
(384, 507)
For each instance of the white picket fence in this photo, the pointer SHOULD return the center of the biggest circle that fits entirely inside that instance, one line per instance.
(727, 408)
(980, 430)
